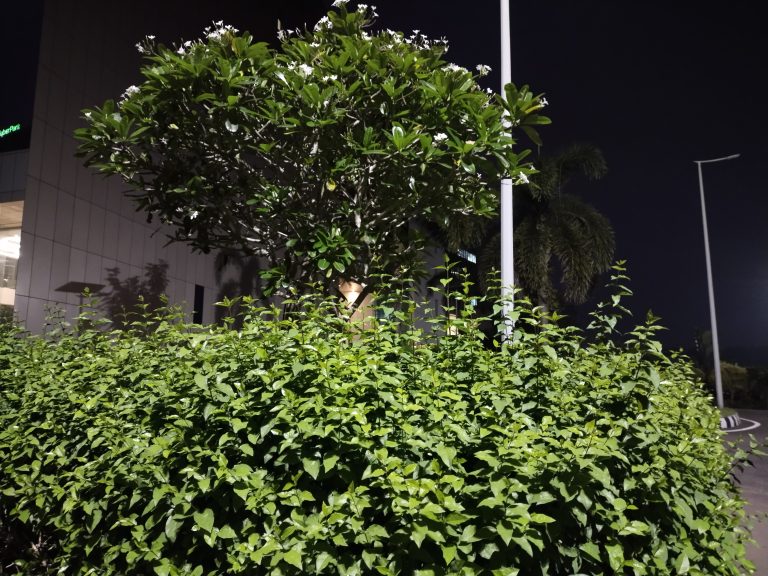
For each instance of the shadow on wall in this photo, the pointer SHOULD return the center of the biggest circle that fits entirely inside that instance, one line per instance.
(247, 283)
(129, 300)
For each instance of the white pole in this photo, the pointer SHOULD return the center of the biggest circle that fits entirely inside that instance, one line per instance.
(507, 232)
(710, 286)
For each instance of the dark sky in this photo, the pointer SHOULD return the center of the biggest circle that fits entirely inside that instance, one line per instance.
(654, 85)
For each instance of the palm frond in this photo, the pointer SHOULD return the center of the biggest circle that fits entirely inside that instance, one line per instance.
(583, 242)
(555, 172)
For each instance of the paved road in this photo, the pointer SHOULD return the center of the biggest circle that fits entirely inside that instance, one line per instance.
(754, 484)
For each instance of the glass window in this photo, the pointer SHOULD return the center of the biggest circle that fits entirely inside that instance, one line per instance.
(10, 242)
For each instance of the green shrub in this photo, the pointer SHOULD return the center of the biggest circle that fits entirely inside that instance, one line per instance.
(310, 445)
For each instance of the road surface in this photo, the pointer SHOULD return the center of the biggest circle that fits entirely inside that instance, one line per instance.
(754, 484)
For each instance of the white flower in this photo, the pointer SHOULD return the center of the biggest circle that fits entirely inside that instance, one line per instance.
(88, 115)
(305, 70)
(440, 136)
(220, 30)
(543, 102)
(324, 22)
(483, 69)
(454, 68)
(362, 7)
(522, 179)
(150, 37)
(141, 48)
(339, 3)
(130, 91)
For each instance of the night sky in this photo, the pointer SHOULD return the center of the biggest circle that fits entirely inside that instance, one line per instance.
(655, 86)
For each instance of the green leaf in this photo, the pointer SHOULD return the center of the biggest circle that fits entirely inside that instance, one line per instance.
(627, 387)
(682, 564)
(369, 558)
(489, 550)
(201, 381)
(592, 549)
(311, 466)
(293, 557)
(323, 559)
(524, 544)
(615, 556)
(446, 453)
(449, 553)
(204, 519)
(172, 528)
(505, 531)
(329, 462)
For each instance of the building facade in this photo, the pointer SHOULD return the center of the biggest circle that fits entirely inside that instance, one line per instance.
(63, 227)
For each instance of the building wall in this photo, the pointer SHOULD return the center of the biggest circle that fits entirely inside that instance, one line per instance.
(77, 224)
(13, 175)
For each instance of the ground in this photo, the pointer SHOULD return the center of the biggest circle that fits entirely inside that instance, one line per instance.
(754, 483)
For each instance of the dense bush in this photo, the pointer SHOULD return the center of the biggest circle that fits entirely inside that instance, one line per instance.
(306, 444)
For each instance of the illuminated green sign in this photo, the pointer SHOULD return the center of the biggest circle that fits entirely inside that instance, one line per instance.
(10, 130)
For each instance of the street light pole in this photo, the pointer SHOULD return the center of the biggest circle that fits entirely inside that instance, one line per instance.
(507, 232)
(713, 318)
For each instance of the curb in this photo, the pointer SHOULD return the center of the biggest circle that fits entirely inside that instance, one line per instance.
(728, 422)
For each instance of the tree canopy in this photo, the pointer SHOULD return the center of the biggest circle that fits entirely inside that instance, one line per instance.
(316, 155)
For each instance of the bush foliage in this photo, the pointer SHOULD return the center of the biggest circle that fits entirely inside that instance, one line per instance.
(308, 444)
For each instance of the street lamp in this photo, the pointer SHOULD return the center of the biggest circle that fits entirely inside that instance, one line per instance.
(715, 343)
(507, 247)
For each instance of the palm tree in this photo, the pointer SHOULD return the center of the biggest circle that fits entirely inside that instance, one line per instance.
(562, 244)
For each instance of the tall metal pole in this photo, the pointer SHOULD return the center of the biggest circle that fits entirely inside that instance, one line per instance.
(710, 286)
(507, 232)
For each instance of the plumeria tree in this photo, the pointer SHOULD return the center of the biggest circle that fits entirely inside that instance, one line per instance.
(316, 156)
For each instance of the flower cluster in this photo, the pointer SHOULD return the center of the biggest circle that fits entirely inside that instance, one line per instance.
(144, 46)
(184, 47)
(323, 23)
(219, 30)
(130, 91)
(454, 68)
